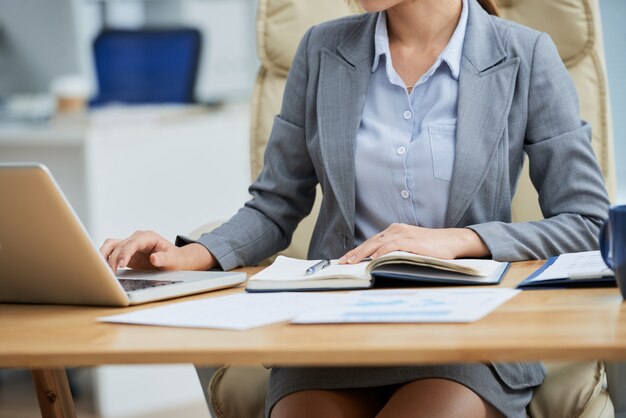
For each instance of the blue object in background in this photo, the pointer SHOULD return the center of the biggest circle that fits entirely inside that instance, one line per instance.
(146, 66)
(613, 244)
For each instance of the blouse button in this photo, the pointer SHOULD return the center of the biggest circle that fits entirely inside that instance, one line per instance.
(407, 114)
(404, 194)
(401, 150)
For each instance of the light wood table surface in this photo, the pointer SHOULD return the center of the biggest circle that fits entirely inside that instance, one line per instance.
(573, 324)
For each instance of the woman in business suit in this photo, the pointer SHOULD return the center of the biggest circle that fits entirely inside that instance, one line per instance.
(414, 118)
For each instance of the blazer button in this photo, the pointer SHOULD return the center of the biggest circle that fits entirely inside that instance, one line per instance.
(344, 240)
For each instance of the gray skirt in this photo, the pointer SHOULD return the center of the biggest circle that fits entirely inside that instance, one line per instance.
(481, 378)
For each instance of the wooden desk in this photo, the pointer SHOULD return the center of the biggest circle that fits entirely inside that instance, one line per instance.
(580, 324)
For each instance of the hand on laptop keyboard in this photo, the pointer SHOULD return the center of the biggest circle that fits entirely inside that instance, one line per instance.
(147, 250)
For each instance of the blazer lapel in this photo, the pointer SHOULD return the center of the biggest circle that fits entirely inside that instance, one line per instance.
(343, 81)
(486, 85)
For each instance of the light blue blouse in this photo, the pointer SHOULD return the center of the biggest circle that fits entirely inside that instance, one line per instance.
(405, 144)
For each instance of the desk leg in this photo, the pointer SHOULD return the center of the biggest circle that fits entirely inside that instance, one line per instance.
(53, 393)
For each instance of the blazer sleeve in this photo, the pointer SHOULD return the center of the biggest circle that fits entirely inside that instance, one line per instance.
(283, 193)
(563, 169)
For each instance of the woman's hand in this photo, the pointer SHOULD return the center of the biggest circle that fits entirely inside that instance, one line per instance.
(441, 243)
(147, 250)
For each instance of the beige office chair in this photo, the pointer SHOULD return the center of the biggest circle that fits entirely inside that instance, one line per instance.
(570, 389)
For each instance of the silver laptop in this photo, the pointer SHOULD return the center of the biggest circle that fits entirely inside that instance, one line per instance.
(46, 255)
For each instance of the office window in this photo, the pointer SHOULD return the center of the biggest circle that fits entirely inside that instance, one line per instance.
(613, 12)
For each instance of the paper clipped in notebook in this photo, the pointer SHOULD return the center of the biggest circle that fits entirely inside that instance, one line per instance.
(395, 269)
(583, 269)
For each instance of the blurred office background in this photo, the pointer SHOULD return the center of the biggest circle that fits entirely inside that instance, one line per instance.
(43, 40)
(613, 13)
(168, 166)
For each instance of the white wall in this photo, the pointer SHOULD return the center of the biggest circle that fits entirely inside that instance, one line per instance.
(36, 44)
(613, 13)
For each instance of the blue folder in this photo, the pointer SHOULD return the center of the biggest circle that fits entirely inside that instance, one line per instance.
(565, 282)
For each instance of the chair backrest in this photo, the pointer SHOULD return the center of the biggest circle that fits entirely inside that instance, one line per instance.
(147, 65)
(576, 28)
(574, 25)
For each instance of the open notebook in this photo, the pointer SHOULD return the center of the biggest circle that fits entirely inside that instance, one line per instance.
(397, 268)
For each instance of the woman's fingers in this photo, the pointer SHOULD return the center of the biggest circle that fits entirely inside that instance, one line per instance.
(133, 251)
(127, 250)
(395, 245)
(366, 249)
(396, 237)
(359, 253)
(108, 246)
(166, 260)
(115, 259)
(446, 243)
(140, 261)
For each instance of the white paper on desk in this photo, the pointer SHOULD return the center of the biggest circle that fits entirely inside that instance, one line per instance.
(238, 312)
(583, 265)
(412, 305)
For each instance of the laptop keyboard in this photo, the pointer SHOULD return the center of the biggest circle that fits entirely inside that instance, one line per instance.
(137, 284)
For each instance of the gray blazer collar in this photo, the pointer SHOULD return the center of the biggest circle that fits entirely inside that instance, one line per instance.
(486, 86)
(359, 45)
(482, 46)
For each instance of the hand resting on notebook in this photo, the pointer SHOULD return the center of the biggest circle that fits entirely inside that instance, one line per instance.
(443, 243)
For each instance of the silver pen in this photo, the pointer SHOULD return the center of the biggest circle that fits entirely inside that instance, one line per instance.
(317, 267)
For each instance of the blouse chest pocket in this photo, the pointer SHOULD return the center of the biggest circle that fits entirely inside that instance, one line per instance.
(442, 139)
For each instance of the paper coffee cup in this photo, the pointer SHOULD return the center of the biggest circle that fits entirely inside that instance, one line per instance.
(71, 93)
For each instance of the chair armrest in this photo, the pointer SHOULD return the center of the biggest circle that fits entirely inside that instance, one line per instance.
(205, 374)
(616, 374)
(572, 390)
(238, 392)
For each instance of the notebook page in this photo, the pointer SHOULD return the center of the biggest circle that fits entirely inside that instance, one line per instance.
(293, 269)
(477, 267)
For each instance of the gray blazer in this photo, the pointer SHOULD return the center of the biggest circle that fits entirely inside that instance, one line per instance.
(515, 97)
